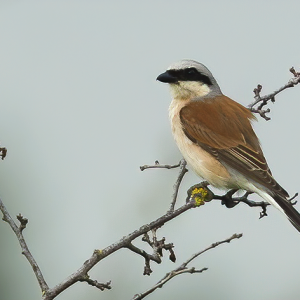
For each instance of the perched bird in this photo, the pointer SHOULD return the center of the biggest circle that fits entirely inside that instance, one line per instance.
(216, 138)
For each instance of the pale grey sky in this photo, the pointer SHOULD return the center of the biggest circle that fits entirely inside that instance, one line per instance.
(81, 111)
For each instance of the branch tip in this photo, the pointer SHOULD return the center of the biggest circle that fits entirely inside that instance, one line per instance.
(157, 165)
(23, 222)
(263, 100)
(3, 152)
(95, 283)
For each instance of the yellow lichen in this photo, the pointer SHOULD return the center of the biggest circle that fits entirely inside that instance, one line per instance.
(199, 195)
(98, 251)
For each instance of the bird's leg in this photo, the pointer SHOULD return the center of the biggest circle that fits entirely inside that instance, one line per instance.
(228, 200)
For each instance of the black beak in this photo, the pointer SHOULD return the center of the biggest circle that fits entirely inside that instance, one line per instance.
(167, 78)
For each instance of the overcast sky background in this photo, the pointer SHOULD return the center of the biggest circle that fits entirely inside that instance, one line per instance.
(81, 111)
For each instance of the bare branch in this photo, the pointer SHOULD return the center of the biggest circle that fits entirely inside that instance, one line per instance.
(263, 100)
(176, 186)
(98, 255)
(183, 268)
(214, 245)
(158, 246)
(95, 283)
(159, 166)
(25, 251)
(183, 170)
(164, 280)
(155, 257)
(3, 152)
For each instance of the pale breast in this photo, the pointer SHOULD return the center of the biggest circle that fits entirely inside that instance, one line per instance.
(204, 164)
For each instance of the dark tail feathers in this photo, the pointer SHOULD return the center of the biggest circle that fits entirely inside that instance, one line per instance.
(289, 210)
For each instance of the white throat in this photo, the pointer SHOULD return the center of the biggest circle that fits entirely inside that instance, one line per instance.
(189, 89)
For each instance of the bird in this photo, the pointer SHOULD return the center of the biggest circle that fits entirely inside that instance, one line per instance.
(215, 136)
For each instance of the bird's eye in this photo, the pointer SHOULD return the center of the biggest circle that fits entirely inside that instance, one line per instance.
(191, 73)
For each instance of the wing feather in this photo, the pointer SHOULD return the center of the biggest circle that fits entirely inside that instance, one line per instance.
(228, 135)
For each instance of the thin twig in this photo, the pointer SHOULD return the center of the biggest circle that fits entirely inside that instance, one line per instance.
(95, 283)
(143, 253)
(263, 100)
(183, 170)
(164, 280)
(183, 268)
(176, 186)
(159, 166)
(214, 245)
(18, 231)
(155, 257)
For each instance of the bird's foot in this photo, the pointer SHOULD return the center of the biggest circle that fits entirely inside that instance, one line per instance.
(291, 199)
(228, 200)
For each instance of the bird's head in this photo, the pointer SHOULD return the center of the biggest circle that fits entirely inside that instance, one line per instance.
(189, 79)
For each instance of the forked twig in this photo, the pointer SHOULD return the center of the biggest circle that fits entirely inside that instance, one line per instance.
(183, 268)
(263, 100)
